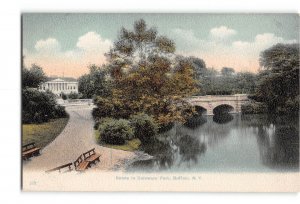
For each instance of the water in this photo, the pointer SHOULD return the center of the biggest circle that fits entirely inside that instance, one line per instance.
(226, 143)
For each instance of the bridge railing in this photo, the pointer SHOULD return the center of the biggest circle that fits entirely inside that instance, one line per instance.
(220, 97)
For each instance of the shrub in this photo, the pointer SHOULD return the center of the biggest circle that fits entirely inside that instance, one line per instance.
(115, 132)
(254, 108)
(38, 107)
(60, 112)
(73, 95)
(64, 96)
(144, 127)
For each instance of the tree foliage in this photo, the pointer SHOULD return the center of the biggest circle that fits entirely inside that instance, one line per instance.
(33, 76)
(146, 77)
(227, 71)
(144, 127)
(213, 82)
(37, 106)
(278, 84)
(95, 83)
(115, 132)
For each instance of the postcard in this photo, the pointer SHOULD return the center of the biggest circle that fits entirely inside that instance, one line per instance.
(185, 102)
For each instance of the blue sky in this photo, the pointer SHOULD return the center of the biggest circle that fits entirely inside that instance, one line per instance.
(68, 43)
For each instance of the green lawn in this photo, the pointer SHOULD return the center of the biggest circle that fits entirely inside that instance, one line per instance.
(44, 133)
(131, 145)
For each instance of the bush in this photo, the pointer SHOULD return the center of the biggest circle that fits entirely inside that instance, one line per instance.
(73, 95)
(64, 96)
(254, 108)
(144, 127)
(292, 105)
(38, 107)
(115, 132)
(60, 112)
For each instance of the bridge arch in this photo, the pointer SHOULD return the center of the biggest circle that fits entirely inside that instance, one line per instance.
(200, 109)
(210, 102)
(223, 108)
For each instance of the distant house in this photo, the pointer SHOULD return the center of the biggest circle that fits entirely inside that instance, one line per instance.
(60, 85)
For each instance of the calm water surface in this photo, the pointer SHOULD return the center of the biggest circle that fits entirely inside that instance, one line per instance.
(227, 143)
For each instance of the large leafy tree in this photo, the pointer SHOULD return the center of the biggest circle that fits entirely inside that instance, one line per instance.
(33, 76)
(278, 84)
(147, 77)
(95, 83)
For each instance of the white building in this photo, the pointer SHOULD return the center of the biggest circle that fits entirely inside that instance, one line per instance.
(59, 86)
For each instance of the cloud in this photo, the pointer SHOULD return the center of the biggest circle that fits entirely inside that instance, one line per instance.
(89, 49)
(222, 32)
(187, 40)
(92, 41)
(260, 42)
(241, 55)
(48, 45)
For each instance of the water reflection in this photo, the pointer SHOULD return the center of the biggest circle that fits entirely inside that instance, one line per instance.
(223, 118)
(226, 143)
(190, 149)
(279, 149)
(195, 121)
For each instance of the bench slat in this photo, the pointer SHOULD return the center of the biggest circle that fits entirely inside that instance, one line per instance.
(31, 151)
(61, 167)
(82, 166)
(93, 158)
(83, 161)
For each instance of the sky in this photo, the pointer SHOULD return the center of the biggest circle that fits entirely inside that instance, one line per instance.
(66, 44)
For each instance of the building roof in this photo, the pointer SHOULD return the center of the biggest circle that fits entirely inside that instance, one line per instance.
(61, 79)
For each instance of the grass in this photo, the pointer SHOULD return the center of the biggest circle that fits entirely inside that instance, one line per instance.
(44, 133)
(130, 145)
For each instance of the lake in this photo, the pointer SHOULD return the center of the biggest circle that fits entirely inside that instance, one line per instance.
(226, 143)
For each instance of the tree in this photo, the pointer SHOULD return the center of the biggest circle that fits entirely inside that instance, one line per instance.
(245, 82)
(212, 83)
(146, 77)
(37, 106)
(33, 77)
(199, 67)
(95, 83)
(227, 71)
(278, 84)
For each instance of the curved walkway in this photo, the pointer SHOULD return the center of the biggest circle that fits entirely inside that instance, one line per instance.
(76, 138)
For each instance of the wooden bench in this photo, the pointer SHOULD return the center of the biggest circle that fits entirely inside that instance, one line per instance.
(85, 160)
(30, 150)
(91, 156)
(80, 164)
(59, 168)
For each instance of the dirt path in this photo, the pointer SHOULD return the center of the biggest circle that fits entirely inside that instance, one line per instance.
(76, 138)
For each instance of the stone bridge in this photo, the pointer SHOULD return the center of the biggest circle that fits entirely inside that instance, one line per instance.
(210, 102)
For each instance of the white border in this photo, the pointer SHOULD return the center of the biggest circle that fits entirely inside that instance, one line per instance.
(10, 94)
